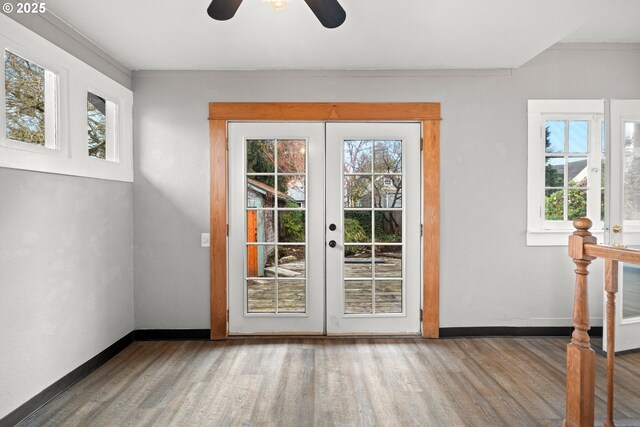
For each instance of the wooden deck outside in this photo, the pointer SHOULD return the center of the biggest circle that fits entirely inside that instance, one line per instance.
(359, 295)
(340, 381)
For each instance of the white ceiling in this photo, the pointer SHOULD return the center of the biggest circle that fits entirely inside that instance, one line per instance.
(619, 22)
(378, 34)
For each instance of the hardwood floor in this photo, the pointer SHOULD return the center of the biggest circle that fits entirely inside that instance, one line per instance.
(336, 381)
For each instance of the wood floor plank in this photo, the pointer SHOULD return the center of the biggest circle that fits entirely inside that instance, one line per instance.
(336, 382)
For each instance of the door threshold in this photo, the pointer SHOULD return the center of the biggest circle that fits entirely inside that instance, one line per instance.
(322, 336)
(274, 334)
(374, 335)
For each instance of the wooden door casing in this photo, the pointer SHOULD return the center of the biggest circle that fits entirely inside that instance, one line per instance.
(220, 113)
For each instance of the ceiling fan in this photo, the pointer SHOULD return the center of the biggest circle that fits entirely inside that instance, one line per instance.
(329, 12)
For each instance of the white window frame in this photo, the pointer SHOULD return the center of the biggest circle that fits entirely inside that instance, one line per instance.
(52, 98)
(541, 232)
(69, 154)
(113, 129)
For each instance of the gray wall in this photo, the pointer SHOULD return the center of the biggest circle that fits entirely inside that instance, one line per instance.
(489, 276)
(66, 276)
(66, 256)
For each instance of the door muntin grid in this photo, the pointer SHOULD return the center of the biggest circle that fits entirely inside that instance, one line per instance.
(373, 220)
(275, 195)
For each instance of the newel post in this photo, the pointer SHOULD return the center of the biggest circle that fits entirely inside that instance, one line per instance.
(580, 355)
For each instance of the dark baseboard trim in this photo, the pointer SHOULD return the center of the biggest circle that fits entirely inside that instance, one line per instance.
(599, 350)
(514, 331)
(171, 334)
(41, 399)
(473, 331)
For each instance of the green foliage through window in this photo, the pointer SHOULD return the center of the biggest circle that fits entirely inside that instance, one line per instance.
(260, 157)
(353, 232)
(291, 225)
(576, 202)
(97, 126)
(24, 87)
(557, 190)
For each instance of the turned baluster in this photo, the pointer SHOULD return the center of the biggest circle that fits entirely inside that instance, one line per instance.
(580, 355)
(611, 286)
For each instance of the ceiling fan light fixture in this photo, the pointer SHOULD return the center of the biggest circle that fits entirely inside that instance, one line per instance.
(329, 12)
(277, 4)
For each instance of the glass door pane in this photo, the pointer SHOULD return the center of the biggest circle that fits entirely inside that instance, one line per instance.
(276, 274)
(631, 210)
(623, 193)
(372, 165)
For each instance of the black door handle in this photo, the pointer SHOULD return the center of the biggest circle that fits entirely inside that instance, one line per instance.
(332, 227)
(332, 243)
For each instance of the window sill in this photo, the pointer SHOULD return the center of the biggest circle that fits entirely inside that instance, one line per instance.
(556, 237)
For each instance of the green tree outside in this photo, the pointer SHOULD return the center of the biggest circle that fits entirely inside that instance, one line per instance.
(24, 94)
(24, 87)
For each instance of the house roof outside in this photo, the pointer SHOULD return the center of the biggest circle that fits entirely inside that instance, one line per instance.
(264, 188)
(577, 170)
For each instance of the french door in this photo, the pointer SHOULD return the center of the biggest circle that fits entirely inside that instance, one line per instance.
(276, 221)
(373, 216)
(624, 217)
(324, 228)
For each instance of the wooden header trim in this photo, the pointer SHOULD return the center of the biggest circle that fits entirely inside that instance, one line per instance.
(324, 111)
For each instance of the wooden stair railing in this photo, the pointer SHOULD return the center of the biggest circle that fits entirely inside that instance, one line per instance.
(583, 248)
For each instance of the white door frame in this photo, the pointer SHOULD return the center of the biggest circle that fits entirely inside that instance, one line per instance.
(627, 330)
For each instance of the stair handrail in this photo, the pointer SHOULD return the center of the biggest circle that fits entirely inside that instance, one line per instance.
(583, 248)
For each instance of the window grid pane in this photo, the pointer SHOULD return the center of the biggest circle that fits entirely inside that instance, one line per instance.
(566, 167)
(372, 191)
(631, 168)
(276, 212)
(96, 126)
(25, 100)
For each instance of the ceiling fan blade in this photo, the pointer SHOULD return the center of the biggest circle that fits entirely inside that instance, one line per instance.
(329, 12)
(221, 10)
